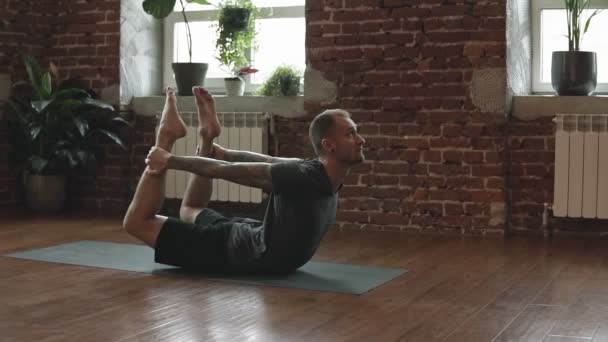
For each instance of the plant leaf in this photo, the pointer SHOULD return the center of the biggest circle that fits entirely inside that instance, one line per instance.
(92, 103)
(45, 85)
(82, 125)
(200, 2)
(37, 164)
(34, 74)
(67, 154)
(112, 136)
(16, 107)
(34, 132)
(159, 9)
(589, 20)
(40, 105)
(71, 93)
(120, 120)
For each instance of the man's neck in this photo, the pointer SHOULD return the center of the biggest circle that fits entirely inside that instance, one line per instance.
(336, 171)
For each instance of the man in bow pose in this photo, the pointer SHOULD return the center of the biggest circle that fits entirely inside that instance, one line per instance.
(302, 204)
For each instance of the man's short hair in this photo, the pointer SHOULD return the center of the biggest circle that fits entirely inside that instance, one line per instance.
(321, 125)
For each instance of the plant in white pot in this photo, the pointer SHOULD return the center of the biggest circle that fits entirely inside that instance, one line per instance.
(574, 72)
(236, 35)
(53, 131)
(235, 86)
(188, 74)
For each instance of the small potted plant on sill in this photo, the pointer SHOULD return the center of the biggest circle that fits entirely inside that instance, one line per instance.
(235, 86)
(574, 72)
(53, 132)
(284, 81)
(236, 35)
(188, 74)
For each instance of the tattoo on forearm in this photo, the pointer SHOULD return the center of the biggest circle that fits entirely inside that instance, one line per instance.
(246, 157)
(198, 165)
(255, 174)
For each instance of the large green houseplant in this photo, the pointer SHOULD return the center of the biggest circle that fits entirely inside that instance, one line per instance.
(236, 33)
(574, 72)
(53, 131)
(188, 74)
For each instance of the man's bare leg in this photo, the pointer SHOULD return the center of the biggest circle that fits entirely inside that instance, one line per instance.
(141, 220)
(199, 189)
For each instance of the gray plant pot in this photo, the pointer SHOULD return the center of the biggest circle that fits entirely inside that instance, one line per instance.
(45, 194)
(234, 86)
(574, 73)
(188, 75)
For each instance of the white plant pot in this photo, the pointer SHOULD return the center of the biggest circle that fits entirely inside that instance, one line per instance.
(234, 87)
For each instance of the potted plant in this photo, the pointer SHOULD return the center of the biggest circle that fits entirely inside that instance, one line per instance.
(52, 132)
(189, 74)
(574, 72)
(284, 81)
(235, 86)
(236, 34)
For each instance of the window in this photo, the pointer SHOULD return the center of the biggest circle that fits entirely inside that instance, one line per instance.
(549, 32)
(281, 34)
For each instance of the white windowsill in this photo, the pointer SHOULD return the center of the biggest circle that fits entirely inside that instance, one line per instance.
(531, 107)
(285, 106)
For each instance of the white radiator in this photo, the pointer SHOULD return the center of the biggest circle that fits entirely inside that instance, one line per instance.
(240, 131)
(581, 166)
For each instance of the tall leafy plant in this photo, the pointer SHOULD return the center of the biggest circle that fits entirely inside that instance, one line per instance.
(160, 9)
(236, 33)
(53, 131)
(576, 27)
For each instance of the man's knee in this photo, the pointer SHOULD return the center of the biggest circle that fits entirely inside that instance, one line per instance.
(146, 230)
(189, 214)
(130, 224)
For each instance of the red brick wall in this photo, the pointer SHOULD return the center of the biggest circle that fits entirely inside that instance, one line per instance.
(403, 69)
(88, 46)
(81, 37)
(26, 26)
(532, 146)
(9, 185)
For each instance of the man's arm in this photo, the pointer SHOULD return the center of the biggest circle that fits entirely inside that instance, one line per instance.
(236, 156)
(254, 174)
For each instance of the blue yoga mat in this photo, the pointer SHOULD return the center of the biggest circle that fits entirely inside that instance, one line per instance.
(319, 276)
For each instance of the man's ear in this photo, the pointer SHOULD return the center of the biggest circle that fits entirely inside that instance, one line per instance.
(328, 145)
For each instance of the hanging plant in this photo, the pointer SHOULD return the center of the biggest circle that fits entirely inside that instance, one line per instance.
(236, 33)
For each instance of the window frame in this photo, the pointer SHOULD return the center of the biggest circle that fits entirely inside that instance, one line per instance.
(215, 85)
(539, 87)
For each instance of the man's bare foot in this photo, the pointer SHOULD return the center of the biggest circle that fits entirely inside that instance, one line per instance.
(171, 126)
(208, 125)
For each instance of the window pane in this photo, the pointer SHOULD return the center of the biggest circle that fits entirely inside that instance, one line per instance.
(203, 47)
(193, 6)
(258, 3)
(554, 32)
(280, 41)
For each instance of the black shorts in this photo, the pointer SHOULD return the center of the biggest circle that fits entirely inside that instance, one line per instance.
(206, 245)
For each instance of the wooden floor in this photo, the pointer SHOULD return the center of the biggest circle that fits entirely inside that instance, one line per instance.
(459, 289)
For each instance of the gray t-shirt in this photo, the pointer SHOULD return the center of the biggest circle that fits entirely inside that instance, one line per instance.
(300, 211)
